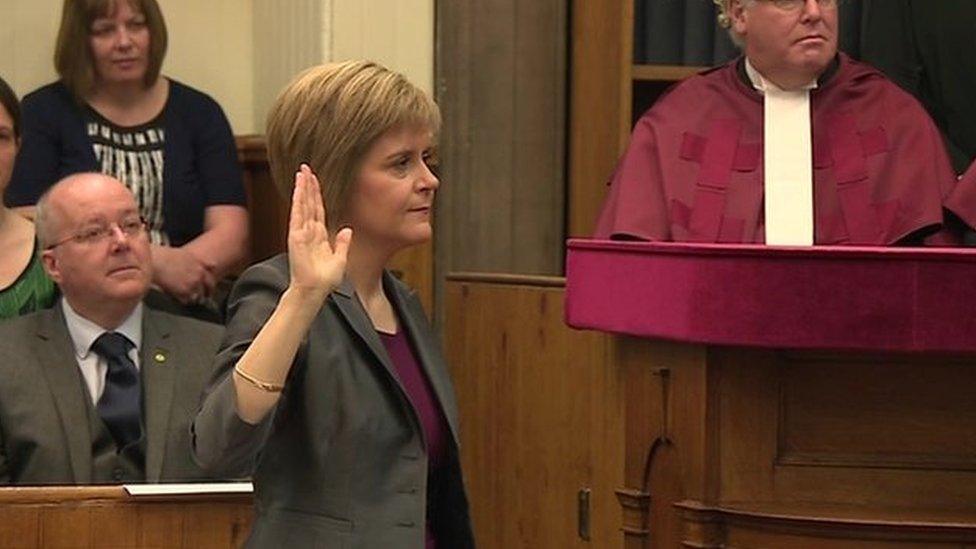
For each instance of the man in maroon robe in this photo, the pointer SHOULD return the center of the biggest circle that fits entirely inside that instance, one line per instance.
(694, 168)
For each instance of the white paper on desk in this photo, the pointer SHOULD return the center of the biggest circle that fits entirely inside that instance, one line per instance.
(188, 488)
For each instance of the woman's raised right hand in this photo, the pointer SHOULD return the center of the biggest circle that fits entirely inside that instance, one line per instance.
(316, 263)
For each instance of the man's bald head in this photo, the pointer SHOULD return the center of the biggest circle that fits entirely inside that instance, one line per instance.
(50, 207)
(95, 246)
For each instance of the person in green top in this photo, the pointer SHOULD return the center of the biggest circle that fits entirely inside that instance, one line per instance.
(24, 286)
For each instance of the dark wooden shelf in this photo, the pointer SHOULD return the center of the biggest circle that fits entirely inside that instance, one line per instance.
(664, 73)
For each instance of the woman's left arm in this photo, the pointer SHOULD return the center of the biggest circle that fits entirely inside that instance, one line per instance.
(223, 244)
(192, 270)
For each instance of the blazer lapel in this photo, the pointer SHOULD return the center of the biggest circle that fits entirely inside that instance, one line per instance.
(158, 362)
(428, 352)
(345, 298)
(56, 357)
(354, 313)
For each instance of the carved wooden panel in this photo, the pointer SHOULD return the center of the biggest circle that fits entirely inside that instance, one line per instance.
(874, 432)
(711, 432)
(805, 526)
(667, 436)
(900, 412)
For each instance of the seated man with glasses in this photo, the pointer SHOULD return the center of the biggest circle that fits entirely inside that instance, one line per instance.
(793, 143)
(99, 389)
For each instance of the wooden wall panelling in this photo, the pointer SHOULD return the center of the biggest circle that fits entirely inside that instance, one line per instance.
(607, 450)
(600, 97)
(451, 47)
(539, 138)
(268, 209)
(540, 411)
(415, 266)
(501, 83)
(485, 202)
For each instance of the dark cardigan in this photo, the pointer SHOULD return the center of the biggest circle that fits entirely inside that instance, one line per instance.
(200, 166)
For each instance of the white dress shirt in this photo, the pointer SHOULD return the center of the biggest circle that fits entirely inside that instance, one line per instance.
(788, 161)
(84, 332)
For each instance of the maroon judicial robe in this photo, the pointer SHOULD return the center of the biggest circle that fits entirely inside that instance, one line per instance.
(694, 167)
(964, 196)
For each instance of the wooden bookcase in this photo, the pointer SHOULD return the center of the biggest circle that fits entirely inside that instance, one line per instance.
(607, 93)
(648, 82)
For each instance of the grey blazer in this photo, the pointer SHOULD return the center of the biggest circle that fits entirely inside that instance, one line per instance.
(45, 434)
(340, 462)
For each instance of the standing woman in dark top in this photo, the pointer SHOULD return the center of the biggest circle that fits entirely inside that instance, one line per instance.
(111, 111)
(24, 286)
(330, 383)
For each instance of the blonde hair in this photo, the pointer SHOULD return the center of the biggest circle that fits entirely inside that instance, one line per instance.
(72, 53)
(330, 115)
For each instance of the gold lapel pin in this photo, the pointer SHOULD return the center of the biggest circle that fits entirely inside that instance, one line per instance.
(159, 356)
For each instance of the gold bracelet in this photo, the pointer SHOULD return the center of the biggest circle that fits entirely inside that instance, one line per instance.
(263, 385)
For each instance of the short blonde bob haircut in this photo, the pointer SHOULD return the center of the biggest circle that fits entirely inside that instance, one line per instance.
(330, 115)
(72, 53)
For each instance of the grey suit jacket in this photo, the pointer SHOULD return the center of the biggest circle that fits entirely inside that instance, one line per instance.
(340, 461)
(45, 436)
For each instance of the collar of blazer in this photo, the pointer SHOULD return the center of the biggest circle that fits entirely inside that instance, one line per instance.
(160, 361)
(158, 371)
(412, 319)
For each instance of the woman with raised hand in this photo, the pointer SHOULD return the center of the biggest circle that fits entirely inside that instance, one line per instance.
(330, 385)
(112, 111)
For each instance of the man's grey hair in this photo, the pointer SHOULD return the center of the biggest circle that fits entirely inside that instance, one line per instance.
(725, 19)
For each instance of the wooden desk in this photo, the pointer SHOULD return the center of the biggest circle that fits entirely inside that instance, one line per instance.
(105, 516)
(789, 397)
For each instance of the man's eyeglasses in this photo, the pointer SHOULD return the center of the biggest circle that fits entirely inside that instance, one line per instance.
(796, 5)
(130, 227)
